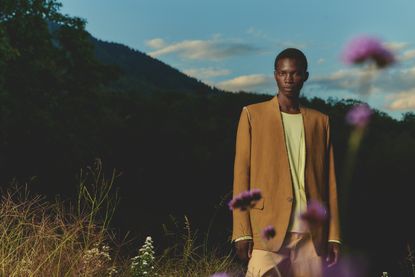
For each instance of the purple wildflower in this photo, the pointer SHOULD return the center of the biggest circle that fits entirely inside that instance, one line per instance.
(363, 48)
(348, 266)
(220, 274)
(245, 200)
(359, 115)
(268, 232)
(256, 194)
(316, 213)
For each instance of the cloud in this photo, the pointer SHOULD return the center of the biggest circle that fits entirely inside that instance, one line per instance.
(321, 61)
(156, 43)
(410, 72)
(255, 82)
(212, 49)
(398, 48)
(206, 73)
(392, 80)
(343, 79)
(396, 45)
(404, 100)
(398, 79)
(407, 55)
(395, 87)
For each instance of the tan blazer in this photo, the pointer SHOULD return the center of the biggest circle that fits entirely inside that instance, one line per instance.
(261, 161)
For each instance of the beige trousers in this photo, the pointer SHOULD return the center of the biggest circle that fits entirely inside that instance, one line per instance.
(297, 257)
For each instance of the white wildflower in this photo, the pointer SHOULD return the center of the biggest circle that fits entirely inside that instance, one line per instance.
(143, 263)
(112, 271)
(95, 259)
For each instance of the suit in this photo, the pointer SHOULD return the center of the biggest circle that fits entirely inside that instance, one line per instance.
(261, 161)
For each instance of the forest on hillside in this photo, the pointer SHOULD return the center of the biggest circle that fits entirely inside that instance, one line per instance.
(61, 108)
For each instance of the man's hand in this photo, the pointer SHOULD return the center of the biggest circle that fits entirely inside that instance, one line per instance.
(333, 254)
(244, 249)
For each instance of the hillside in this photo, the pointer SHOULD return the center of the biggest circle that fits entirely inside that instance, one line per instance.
(143, 73)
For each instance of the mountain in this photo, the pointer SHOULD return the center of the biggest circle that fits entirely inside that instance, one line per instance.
(143, 73)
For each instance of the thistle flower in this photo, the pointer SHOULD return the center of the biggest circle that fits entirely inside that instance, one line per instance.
(359, 115)
(256, 194)
(245, 200)
(363, 48)
(316, 213)
(349, 266)
(268, 232)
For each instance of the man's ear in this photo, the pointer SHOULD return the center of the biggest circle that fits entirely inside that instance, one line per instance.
(306, 76)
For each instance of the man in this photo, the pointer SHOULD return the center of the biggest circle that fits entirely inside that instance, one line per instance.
(285, 151)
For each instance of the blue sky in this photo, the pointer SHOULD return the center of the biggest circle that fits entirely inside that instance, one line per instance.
(232, 44)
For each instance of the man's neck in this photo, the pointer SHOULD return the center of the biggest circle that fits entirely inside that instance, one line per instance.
(288, 105)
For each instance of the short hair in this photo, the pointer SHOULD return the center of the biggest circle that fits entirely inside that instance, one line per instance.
(292, 53)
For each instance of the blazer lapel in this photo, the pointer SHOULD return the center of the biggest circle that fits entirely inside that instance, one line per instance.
(308, 145)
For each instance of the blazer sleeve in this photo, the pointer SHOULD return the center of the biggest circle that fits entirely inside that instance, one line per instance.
(334, 225)
(241, 177)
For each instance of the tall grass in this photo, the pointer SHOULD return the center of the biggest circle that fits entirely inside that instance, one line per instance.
(189, 258)
(43, 238)
(62, 238)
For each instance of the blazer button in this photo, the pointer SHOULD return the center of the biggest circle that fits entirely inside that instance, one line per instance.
(289, 199)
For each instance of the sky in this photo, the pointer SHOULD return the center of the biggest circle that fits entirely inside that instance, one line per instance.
(232, 44)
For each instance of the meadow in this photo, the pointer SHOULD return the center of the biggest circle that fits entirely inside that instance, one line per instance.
(75, 238)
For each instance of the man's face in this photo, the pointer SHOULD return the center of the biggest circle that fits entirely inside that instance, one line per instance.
(290, 76)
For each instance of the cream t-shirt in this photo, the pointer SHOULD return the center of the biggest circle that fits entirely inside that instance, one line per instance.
(295, 144)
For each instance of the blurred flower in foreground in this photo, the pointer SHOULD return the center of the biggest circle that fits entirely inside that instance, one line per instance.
(363, 48)
(359, 115)
(356, 266)
(245, 200)
(268, 232)
(316, 213)
(359, 50)
(220, 274)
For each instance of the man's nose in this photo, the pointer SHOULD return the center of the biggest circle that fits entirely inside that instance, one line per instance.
(289, 78)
